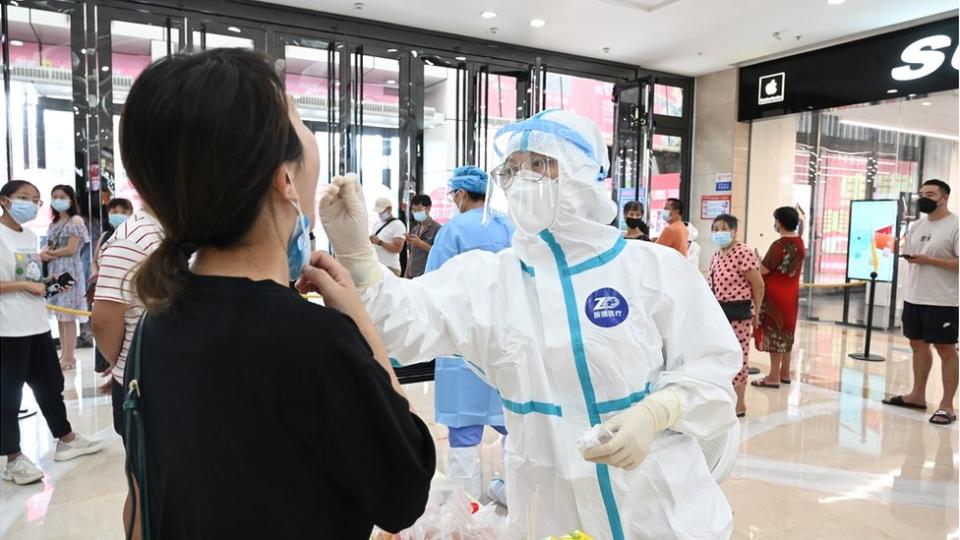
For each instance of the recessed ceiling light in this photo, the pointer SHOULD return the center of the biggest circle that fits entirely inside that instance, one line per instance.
(488, 14)
(105, 68)
(461, 58)
(835, 2)
(538, 23)
(16, 43)
(391, 81)
(414, 53)
(234, 29)
(892, 91)
(926, 104)
(391, 50)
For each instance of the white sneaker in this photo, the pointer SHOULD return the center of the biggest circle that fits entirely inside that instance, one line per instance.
(22, 471)
(79, 446)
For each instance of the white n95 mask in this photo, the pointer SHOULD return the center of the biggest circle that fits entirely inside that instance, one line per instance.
(533, 205)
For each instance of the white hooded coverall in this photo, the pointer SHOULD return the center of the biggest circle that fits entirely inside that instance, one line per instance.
(572, 326)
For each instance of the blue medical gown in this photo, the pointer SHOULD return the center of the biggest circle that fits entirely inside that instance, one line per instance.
(462, 398)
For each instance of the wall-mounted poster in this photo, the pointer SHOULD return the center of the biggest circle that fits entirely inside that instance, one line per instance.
(712, 206)
(872, 240)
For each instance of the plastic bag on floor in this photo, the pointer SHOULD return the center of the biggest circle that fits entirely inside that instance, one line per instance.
(456, 518)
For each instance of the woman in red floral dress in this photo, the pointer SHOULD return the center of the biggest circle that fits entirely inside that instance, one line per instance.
(781, 269)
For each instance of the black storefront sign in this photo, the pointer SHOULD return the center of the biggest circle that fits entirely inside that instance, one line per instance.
(917, 60)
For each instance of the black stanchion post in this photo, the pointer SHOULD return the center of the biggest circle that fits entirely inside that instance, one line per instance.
(865, 355)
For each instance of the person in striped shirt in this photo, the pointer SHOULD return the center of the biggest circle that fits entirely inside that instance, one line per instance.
(116, 308)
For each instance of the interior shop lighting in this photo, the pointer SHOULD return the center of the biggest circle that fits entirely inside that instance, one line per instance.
(538, 23)
(892, 91)
(234, 29)
(461, 58)
(488, 14)
(16, 43)
(899, 129)
(391, 81)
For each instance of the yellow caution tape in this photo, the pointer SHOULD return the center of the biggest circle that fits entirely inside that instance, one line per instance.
(68, 311)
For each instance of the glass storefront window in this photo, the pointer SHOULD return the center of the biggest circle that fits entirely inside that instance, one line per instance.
(821, 161)
(134, 46)
(668, 100)
(307, 78)
(664, 178)
(378, 145)
(586, 97)
(217, 41)
(42, 135)
(442, 127)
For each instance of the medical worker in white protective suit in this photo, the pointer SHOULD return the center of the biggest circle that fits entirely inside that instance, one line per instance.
(575, 327)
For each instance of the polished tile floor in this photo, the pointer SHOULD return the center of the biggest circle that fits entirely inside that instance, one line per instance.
(821, 458)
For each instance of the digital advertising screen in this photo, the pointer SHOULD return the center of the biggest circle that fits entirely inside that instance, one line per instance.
(871, 246)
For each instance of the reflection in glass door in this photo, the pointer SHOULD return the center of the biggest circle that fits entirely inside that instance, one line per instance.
(40, 116)
(464, 106)
(210, 34)
(133, 46)
(664, 178)
(311, 78)
(373, 146)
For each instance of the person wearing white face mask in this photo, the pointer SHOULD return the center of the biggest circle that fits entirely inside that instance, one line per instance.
(675, 235)
(26, 345)
(387, 235)
(735, 279)
(66, 237)
(572, 336)
(422, 235)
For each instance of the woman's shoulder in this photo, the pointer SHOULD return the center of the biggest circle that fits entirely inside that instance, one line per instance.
(77, 220)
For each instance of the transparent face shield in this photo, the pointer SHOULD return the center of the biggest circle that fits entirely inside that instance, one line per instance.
(541, 156)
(529, 184)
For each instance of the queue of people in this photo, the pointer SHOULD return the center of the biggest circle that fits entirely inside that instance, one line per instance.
(542, 324)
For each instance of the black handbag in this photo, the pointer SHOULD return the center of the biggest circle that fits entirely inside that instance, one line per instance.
(741, 310)
(738, 310)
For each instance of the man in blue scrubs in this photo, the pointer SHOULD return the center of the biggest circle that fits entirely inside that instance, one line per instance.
(464, 403)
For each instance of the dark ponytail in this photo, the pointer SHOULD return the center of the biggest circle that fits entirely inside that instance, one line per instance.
(201, 137)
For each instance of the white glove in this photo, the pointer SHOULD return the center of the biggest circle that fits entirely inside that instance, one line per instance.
(635, 428)
(343, 215)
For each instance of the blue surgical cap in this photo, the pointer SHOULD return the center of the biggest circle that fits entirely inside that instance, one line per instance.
(468, 178)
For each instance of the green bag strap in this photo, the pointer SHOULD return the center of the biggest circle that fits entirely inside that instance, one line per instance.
(133, 410)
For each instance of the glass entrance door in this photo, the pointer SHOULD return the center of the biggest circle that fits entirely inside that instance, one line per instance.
(128, 42)
(310, 70)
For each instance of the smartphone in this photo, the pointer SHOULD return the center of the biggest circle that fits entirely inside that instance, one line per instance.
(905, 256)
(54, 286)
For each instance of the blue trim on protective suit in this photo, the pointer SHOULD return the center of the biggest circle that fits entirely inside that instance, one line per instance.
(527, 407)
(620, 404)
(600, 259)
(553, 128)
(527, 269)
(583, 373)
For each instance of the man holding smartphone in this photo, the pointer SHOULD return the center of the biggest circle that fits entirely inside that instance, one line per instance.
(930, 306)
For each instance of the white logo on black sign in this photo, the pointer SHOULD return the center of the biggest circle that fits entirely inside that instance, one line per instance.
(772, 88)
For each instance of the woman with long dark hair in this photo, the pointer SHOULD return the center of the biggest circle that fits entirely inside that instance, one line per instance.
(65, 239)
(245, 387)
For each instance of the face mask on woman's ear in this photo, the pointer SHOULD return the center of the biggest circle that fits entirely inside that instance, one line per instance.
(298, 249)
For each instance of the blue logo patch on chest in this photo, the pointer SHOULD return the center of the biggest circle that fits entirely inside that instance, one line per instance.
(606, 308)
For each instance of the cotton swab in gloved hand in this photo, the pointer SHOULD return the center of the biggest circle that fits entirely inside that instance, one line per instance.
(595, 436)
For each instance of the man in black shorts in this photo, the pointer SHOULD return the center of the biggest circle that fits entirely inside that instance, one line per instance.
(930, 304)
